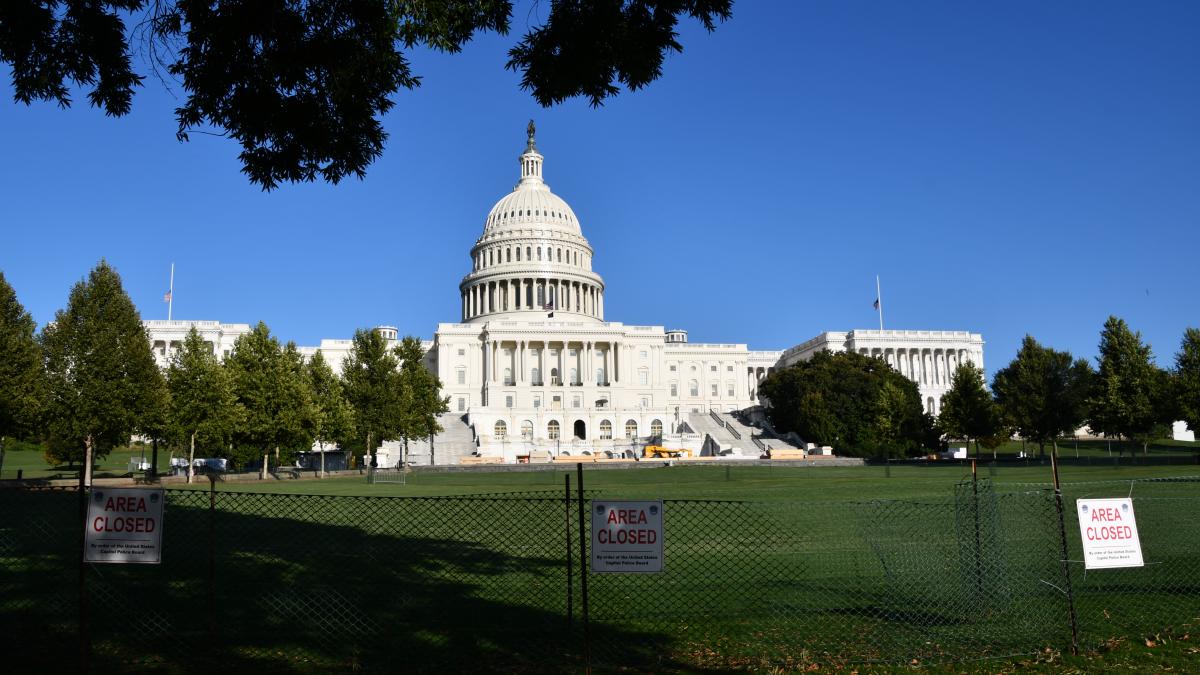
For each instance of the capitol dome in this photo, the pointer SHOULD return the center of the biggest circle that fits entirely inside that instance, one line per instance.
(532, 257)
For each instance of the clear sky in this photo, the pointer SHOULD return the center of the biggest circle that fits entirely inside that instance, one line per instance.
(1005, 168)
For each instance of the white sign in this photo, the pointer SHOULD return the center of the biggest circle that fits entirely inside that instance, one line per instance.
(124, 525)
(1109, 532)
(627, 536)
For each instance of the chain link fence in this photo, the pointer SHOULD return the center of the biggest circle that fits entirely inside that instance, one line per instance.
(272, 582)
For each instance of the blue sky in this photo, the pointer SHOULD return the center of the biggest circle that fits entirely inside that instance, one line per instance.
(1016, 168)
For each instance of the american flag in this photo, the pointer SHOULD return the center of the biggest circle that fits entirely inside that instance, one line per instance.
(876, 303)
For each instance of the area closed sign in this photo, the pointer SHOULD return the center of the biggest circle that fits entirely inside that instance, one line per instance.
(124, 525)
(627, 536)
(1109, 532)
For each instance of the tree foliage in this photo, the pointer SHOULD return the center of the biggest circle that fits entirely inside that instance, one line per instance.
(372, 385)
(21, 378)
(274, 403)
(968, 410)
(101, 375)
(1187, 379)
(302, 85)
(335, 417)
(1130, 397)
(1044, 392)
(855, 403)
(420, 392)
(203, 407)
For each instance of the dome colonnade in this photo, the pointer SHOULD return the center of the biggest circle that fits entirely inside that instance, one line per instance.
(532, 256)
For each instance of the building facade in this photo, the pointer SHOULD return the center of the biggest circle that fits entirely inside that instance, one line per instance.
(533, 366)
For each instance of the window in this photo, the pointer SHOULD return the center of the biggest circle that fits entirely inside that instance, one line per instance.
(674, 389)
(656, 428)
(693, 369)
(599, 376)
(729, 369)
(605, 430)
(729, 388)
(643, 354)
(508, 378)
(508, 401)
(715, 393)
(577, 401)
(462, 375)
(462, 352)
(556, 403)
(537, 400)
(574, 376)
(527, 251)
(643, 376)
(673, 367)
(631, 429)
(518, 254)
(501, 429)
(539, 253)
(537, 375)
(554, 376)
(645, 403)
(694, 388)
(462, 404)
(527, 430)
(552, 430)
(713, 368)
(508, 254)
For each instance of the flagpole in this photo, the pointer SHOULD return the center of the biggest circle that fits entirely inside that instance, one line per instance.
(171, 293)
(879, 299)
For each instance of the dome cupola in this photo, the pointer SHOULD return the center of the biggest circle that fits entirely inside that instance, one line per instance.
(532, 257)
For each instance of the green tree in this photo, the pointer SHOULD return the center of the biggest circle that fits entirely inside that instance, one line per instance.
(371, 379)
(203, 406)
(274, 403)
(858, 404)
(1128, 398)
(99, 369)
(1044, 393)
(302, 85)
(21, 377)
(335, 417)
(1187, 379)
(420, 394)
(968, 410)
(155, 423)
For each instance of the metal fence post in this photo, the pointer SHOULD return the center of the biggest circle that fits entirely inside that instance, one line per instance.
(212, 565)
(583, 575)
(570, 553)
(84, 644)
(1066, 568)
(978, 548)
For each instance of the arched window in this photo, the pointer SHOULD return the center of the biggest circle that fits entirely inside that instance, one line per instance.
(501, 429)
(518, 254)
(539, 253)
(508, 255)
(527, 430)
(560, 255)
(527, 253)
(694, 388)
(552, 430)
(631, 429)
(605, 430)
(656, 428)
(554, 376)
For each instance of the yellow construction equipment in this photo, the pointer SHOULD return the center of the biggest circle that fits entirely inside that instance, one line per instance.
(659, 452)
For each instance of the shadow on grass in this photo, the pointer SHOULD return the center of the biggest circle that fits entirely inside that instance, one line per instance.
(305, 584)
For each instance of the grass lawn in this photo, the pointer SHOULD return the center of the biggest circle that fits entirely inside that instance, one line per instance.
(748, 483)
(766, 568)
(32, 464)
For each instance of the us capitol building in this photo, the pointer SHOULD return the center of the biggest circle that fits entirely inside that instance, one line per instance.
(534, 369)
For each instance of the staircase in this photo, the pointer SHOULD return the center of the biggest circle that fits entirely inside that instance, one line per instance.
(765, 440)
(456, 440)
(708, 425)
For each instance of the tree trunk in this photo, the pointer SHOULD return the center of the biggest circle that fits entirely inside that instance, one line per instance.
(262, 473)
(154, 459)
(321, 446)
(277, 458)
(404, 455)
(87, 461)
(976, 449)
(1145, 451)
(191, 458)
(1054, 447)
(370, 456)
